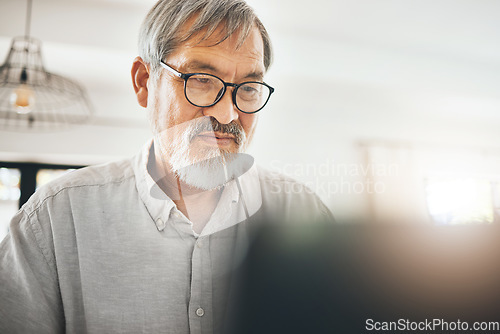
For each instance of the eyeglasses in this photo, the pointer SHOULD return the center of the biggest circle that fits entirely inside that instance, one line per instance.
(205, 90)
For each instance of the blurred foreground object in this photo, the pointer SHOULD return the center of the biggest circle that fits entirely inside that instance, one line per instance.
(324, 278)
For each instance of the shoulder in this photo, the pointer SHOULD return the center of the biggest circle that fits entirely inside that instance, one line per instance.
(82, 180)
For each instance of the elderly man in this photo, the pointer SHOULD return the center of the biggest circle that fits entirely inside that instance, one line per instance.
(147, 245)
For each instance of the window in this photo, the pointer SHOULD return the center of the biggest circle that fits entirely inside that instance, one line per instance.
(464, 200)
(10, 179)
(18, 181)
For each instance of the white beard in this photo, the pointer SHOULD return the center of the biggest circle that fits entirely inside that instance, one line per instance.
(205, 174)
(202, 168)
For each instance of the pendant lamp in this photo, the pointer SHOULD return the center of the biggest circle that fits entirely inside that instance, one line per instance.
(31, 98)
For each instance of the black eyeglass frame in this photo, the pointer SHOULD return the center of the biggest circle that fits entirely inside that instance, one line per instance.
(186, 76)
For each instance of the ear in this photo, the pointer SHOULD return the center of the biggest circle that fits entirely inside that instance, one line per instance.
(140, 76)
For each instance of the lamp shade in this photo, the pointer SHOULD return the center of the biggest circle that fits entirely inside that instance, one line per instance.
(32, 98)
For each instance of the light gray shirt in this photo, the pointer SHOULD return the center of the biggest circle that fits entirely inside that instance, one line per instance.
(101, 250)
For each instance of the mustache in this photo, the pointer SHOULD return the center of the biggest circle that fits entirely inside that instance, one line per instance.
(210, 124)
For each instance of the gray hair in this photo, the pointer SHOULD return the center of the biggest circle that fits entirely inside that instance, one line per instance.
(161, 31)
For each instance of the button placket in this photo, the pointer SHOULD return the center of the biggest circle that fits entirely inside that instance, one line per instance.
(201, 288)
(199, 243)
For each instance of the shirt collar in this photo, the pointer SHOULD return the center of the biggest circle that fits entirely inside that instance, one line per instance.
(237, 202)
(158, 204)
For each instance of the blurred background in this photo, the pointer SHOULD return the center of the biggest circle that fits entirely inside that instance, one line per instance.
(389, 110)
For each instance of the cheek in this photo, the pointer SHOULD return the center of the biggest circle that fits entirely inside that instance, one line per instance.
(249, 123)
(166, 106)
(160, 119)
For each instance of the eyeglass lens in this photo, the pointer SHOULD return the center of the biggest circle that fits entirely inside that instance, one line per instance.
(204, 90)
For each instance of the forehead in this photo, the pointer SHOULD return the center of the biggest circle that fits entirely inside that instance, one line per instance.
(230, 55)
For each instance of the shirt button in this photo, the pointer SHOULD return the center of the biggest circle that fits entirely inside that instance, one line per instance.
(199, 244)
(176, 214)
(200, 312)
(160, 224)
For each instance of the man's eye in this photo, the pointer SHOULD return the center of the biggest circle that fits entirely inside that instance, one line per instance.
(249, 90)
(203, 80)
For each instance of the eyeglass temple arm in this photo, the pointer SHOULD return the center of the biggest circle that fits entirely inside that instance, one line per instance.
(165, 66)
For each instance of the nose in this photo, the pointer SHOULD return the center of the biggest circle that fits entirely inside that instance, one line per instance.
(223, 111)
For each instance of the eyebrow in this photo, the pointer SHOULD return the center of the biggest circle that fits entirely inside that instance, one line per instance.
(255, 75)
(197, 65)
